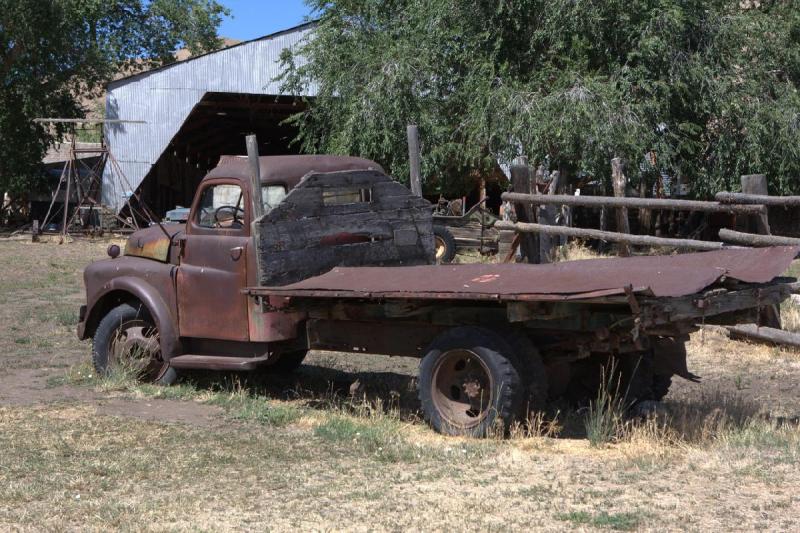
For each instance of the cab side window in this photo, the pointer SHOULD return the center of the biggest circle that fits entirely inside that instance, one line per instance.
(221, 206)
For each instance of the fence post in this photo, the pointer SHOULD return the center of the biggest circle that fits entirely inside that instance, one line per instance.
(521, 182)
(757, 184)
(414, 159)
(620, 181)
(547, 215)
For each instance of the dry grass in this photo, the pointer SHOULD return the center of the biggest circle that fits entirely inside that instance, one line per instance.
(576, 251)
(300, 455)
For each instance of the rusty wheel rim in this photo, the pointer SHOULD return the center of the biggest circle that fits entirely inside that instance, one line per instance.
(462, 388)
(135, 349)
(441, 248)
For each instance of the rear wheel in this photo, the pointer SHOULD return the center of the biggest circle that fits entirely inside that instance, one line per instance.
(445, 245)
(127, 340)
(469, 383)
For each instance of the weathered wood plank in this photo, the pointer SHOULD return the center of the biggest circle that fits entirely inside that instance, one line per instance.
(763, 334)
(521, 182)
(610, 236)
(304, 237)
(757, 199)
(620, 183)
(650, 203)
(751, 239)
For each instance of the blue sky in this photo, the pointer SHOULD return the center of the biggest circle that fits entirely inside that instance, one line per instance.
(256, 18)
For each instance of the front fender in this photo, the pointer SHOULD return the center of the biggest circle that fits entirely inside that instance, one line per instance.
(115, 291)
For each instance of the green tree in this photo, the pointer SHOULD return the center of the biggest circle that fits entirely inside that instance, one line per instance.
(711, 85)
(54, 54)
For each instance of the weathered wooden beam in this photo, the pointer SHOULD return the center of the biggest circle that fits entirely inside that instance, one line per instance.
(610, 236)
(648, 203)
(414, 159)
(547, 215)
(256, 201)
(763, 334)
(760, 199)
(620, 183)
(255, 177)
(752, 239)
(757, 184)
(521, 182)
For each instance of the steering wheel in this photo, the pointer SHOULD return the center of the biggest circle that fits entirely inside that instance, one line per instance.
(232, 218)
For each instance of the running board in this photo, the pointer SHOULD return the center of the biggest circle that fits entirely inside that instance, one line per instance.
(217, 362)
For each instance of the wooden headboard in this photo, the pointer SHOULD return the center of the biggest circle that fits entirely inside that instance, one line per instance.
(347, 218)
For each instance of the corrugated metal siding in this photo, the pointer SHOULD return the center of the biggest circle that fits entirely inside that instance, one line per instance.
(164, 98)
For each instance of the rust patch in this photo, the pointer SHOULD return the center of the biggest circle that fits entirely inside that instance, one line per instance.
(678, 275)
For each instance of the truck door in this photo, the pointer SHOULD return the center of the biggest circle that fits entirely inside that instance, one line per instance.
(213, 266)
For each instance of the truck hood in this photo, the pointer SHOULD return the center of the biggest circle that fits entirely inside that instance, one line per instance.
(153, 243)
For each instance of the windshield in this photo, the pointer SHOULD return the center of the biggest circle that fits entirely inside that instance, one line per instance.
(272, 195)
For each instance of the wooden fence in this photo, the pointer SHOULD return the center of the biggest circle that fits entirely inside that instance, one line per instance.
(545, 220)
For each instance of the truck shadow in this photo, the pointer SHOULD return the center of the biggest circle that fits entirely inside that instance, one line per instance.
(323, 388)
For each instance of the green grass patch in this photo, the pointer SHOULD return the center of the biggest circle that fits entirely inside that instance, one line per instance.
(378, 436)
(242, 406)
(604, 418)
(66, 316)
(604, 520)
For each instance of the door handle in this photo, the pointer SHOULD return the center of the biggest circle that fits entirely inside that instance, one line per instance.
(236, 252)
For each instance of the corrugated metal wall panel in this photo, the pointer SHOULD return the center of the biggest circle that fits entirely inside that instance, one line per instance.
(163, 98)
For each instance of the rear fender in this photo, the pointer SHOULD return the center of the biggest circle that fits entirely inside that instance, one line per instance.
(126, 289)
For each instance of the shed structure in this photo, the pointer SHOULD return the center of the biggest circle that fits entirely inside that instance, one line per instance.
(195, 111)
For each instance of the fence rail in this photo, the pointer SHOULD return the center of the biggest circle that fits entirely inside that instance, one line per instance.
(641, 203)
(536, 219)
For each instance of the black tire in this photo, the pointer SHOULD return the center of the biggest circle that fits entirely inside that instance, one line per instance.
(288, 362)
(491, 376)
(110, 328)
(661, 385)
(445, 248)
(534, 374)
(636, 377)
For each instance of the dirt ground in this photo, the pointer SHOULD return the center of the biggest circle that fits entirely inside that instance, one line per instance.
(223, 452)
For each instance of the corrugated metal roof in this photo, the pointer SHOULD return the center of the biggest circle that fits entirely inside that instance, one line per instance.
(164, 97)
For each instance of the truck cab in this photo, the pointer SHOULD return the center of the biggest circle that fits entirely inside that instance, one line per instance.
(176, 298)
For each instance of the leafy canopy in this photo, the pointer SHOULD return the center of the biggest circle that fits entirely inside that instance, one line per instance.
(709, 85)
(56, 54)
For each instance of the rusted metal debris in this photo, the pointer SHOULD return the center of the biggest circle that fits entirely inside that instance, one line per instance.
(677, 275)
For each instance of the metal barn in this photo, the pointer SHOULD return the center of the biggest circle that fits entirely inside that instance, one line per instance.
(192, 112)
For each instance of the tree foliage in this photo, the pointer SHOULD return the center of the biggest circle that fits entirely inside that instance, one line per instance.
(709, 85)
(54, 54)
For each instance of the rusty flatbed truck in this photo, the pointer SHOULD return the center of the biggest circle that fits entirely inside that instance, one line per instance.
(342, 260)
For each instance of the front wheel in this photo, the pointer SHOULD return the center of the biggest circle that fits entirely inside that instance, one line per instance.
(445, 245)
(126, 340)
(469, 383)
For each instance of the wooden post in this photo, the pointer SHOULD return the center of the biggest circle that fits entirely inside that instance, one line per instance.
(645, 217)
(66, 201)
(256, 200)
(620, 181)
(414, 159)
(35, 231)
(547, 215)
(521, 182)
(255, 177)
(757, 184)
